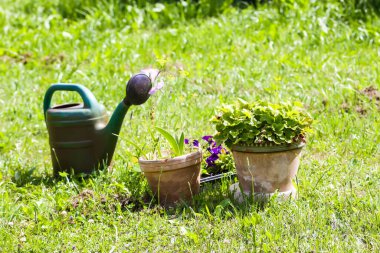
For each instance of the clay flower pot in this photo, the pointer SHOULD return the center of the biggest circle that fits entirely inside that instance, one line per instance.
(262, 171)
(173, 179)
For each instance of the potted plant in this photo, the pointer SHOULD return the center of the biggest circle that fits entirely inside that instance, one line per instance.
(266, 141)
(176, 176)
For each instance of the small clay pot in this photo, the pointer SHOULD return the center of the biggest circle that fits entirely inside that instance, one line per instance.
(262, 171)
(173, 179)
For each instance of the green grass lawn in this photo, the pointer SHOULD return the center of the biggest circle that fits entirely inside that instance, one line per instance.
(313, 55)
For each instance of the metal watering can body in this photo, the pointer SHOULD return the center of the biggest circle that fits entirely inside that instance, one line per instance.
(80, 136)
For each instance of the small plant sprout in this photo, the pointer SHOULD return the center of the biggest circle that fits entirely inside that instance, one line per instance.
(176, 143)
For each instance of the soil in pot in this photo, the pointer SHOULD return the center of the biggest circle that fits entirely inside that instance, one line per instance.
(173, 179)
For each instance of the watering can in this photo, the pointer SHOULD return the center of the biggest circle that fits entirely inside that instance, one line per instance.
(80, 137)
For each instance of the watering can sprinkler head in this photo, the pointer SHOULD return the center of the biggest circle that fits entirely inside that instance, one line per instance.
(138, 88)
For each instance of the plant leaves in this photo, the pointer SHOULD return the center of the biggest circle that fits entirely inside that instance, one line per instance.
(260, 122)
(181, 144)
(172, 141)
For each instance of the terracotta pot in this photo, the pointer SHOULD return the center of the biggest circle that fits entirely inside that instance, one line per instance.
(265, 170)
(173, 179)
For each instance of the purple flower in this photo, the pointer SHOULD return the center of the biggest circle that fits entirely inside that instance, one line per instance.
(151, 73)
(186, 141)
(211, 160)
(207, 138)
(216, 150)
(157, 87)
(196, 143)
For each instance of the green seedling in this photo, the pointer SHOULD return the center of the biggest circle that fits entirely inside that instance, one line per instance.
(176, 143)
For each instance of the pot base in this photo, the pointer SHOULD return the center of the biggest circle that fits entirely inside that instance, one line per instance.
(239, 196)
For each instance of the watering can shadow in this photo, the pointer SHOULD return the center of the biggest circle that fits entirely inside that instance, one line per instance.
(80, 137)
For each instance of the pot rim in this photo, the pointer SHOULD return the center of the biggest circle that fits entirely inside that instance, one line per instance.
(267, 148)
(170, 164)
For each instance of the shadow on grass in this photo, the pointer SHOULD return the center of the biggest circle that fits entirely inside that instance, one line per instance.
(215, 202)
(23, 177)
(100, 190)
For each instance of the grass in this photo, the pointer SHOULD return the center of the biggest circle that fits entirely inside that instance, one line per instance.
(313, 55)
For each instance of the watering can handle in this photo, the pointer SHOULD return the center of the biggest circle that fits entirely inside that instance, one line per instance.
(89, 99)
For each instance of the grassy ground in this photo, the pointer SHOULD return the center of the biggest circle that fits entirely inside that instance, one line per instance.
(312, 55)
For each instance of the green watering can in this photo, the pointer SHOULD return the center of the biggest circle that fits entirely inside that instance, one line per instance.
(80, 137)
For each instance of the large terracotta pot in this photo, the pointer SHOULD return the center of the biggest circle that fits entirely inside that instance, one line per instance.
(264, 170)
(173, 179)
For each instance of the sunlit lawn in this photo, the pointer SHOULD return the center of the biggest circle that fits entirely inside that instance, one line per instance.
(312, 56)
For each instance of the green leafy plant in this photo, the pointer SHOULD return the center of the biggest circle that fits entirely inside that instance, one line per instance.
(176, 143)
(261, 123)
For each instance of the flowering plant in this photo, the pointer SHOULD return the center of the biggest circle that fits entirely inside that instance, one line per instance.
(216, 158)
(261, 123)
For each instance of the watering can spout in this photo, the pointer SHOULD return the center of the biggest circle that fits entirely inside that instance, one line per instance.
(137, 90)
(114, 125)
(111, 131)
